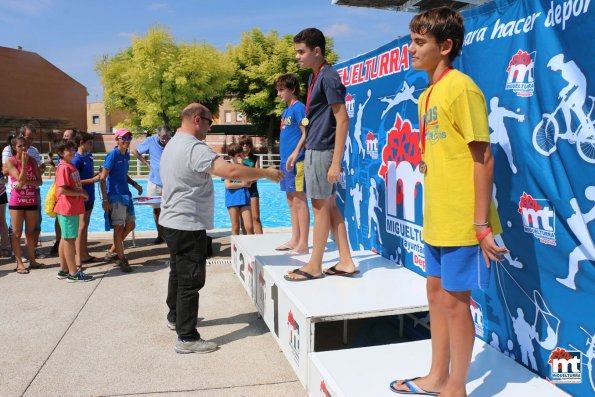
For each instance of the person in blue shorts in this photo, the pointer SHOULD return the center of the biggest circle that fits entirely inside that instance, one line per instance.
(293, 137)
(116, 197)
(154, 146)
(83, 162)
(237, 196)
(460, 218)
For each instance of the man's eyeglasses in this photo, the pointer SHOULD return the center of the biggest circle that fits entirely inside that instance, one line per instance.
(125, 138)
(208, 120)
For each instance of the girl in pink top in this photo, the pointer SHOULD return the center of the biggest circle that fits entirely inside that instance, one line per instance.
(24, 176)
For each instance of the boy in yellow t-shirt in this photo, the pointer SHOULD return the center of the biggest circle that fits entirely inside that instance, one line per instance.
(460, 219)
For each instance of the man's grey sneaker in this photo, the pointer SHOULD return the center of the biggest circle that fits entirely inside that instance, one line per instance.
(62, 274)
(80, 276)
(124, 265)
(195, 346)
(171, 326)
(110, 256)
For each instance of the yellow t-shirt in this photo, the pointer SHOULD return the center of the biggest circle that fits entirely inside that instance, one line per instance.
(456, 115)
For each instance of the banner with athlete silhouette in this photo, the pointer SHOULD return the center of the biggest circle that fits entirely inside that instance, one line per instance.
(535, 64)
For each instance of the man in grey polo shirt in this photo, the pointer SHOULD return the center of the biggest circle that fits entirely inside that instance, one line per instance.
(327, 126)
(187, 209)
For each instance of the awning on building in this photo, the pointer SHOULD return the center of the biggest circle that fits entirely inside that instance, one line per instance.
(408, 5)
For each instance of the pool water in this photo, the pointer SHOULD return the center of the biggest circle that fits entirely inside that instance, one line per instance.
(274, 211)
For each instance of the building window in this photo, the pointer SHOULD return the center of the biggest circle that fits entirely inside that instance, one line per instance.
(95, 119)
(239, 117)
(227, 116)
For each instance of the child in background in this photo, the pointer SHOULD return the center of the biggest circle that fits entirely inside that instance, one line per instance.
(251, 160)
(293, 138)
(237, 196)
(24, 177)
(70, 205)
(83, 161)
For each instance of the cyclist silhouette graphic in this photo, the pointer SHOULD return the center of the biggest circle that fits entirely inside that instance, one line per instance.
(572, 100)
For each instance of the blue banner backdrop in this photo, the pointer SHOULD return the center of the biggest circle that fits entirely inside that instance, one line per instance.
(534, 61)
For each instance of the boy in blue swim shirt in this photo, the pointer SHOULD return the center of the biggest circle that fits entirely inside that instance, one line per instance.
(291, 148)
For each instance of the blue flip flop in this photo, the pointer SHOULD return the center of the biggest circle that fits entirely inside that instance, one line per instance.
(413, 388)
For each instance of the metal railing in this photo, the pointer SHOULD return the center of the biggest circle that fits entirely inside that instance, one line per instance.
(138, 169)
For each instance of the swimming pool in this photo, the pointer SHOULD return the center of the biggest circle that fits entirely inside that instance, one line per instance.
(274, 211)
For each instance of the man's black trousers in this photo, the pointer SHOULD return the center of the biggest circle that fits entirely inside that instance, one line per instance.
(188, 257)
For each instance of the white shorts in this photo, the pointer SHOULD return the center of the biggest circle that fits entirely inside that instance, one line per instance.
(154, 190)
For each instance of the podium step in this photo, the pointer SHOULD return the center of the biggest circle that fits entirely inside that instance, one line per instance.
(369, 371)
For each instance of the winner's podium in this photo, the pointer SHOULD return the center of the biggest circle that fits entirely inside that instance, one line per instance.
(292, 310)
(369, 371)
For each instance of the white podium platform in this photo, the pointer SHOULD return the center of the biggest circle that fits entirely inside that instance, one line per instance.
(245, 248)
(291, 310)
(369, 371)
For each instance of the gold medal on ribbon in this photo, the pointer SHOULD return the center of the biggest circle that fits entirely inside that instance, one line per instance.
(423, 167)
(305, 122)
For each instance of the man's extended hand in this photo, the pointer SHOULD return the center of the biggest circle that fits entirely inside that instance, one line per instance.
(274, 174)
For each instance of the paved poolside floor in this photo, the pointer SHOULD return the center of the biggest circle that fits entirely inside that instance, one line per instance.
(108, 337)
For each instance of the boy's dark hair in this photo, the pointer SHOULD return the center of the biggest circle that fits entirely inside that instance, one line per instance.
(245, 140)
(288, 81)
(82, 137)
(234, 149)
(65, 144)
(312, 38)
(443, 23)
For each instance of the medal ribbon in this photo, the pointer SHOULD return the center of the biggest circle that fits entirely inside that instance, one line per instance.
(422, 122)
(312, 85)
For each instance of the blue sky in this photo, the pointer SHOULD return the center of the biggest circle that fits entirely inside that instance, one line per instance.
(72, 34)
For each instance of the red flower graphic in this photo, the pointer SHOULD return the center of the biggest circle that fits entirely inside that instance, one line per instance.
(528, 202)
(291, 320)
(402, 144)
(559, 354)
(520, 58)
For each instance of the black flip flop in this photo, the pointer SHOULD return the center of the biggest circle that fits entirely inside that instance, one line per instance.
(307, 276)
(38, 265)
(333, 271)
(92, 259)
(22, 271)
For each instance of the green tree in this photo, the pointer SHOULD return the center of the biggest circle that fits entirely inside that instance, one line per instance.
(155, 78)
(257, 61)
